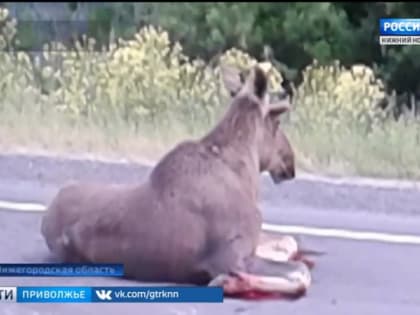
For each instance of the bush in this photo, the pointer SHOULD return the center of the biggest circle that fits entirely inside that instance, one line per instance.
(148, 85)
(7, 30)
(17, 77)
(337, 97)
(146, 79)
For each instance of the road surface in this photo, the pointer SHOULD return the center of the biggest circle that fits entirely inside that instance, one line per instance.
(357, 274)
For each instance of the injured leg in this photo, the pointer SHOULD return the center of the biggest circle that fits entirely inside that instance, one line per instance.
(265, 279)
(281, 249)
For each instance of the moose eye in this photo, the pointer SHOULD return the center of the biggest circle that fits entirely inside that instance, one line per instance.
(282, 95)
(287, 86)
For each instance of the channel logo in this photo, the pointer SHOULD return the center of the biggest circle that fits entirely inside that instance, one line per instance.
(104, 295)
(399, 27)
(399, 32)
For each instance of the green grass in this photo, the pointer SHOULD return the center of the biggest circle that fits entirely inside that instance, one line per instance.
(55, 132)
(390, 153)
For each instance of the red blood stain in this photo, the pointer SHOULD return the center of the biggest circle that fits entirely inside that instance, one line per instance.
(256, 295)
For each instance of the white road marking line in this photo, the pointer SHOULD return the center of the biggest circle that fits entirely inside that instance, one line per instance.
(292, 229)
(346, 234)
(22, 206)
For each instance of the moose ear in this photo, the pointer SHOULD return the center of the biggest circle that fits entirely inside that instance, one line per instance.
(232, 79)
(257, 82)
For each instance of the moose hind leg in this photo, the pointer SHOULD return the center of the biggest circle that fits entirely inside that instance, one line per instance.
(282, 249)
(286, 277)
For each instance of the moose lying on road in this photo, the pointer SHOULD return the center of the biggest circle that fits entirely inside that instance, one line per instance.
(195, 219)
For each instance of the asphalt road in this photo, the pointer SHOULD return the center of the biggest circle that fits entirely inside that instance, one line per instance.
(351, 277)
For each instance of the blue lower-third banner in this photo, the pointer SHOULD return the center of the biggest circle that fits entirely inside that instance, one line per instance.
(146, 294)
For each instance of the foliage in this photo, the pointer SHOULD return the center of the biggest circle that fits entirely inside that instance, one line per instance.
(337, 97)
(146, 79)
(140, 78)
(297, 33)
(7, 30)
(149, 79)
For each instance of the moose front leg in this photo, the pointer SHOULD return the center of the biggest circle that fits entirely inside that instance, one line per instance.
(254, 277)
(263, 278)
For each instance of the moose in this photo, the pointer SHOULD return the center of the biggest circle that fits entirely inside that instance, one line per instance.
(195, 219)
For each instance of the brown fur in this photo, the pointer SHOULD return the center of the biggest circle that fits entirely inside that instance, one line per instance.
(196, 216)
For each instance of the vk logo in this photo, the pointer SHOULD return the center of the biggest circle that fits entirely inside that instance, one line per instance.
(104, 294)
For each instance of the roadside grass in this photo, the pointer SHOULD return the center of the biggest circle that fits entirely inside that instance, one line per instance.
(391, 152)
(56, 133)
